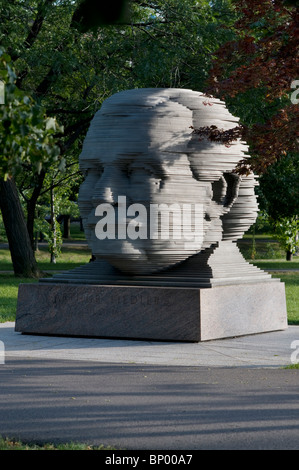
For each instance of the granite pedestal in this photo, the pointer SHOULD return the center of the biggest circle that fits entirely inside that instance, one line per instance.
(152, 313)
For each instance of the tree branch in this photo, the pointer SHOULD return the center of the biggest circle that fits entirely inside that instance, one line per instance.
(38, 22)
(52, 186)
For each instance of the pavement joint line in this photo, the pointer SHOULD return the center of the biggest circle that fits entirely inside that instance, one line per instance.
(259, 350)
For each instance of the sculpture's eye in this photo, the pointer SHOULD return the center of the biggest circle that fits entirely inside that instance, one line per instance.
(142, 173)
(219, 190)
(94, 173)
(138, 173)
(225, 190)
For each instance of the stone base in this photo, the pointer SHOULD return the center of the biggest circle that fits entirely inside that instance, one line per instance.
(152, 313)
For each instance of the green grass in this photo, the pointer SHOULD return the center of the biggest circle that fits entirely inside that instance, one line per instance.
(11, 444)
(291, 281)
(263, 248)
(259, 236)
(9, 286)
(277, 263)
(69, 258)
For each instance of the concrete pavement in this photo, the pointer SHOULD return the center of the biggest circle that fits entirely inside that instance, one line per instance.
(142, 395)
(273, 349)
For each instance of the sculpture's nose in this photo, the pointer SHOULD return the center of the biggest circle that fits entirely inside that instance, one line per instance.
(105, 190)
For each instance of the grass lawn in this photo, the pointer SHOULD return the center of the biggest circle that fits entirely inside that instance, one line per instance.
(9, 286)
(277, 264)
(291, 281)
(70, 257)
(74, 253)
(10, 444)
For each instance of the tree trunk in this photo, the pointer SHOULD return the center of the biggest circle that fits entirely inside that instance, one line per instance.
(53, 228)
(289, 256)
(30, 221)
(66, 226)
(31, 205)
(24, 263)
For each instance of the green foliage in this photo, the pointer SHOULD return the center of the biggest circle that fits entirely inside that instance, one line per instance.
(53, 236)
(279, 188)
(254, 72)
(2, 231)
(279, 201)
(286, 232)
(26, 134)
(291, 281)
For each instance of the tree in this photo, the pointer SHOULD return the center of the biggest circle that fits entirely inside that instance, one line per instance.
(57, 204)
(254, 73)
(279, 190)
(26, 136)
(22, 255)
(286, 231)
(69, 71)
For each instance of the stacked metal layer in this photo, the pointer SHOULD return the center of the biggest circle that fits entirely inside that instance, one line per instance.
(141, 149)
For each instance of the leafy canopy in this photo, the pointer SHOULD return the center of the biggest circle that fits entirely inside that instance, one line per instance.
(27, 135)
(254, 74)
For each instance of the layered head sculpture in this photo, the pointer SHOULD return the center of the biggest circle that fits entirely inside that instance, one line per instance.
(154, 194)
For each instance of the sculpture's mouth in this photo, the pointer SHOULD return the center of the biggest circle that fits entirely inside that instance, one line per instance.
(140, 264)
(137, 257)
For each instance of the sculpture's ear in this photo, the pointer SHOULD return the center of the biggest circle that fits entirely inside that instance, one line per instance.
(226, 190)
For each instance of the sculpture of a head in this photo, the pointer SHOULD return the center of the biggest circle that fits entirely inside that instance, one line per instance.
(141, 159)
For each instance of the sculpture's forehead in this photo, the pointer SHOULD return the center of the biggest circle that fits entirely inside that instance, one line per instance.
(155, 133)
(155, 118)
(178, 102)
(161, 122)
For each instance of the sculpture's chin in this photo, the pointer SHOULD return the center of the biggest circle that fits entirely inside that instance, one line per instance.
(136, 266)
(141, 258)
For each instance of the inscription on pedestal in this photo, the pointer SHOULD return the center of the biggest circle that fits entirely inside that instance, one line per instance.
(113, 311)
(157, 313)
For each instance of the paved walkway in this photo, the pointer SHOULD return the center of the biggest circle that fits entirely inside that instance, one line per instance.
(263, 350)
(143, 395)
